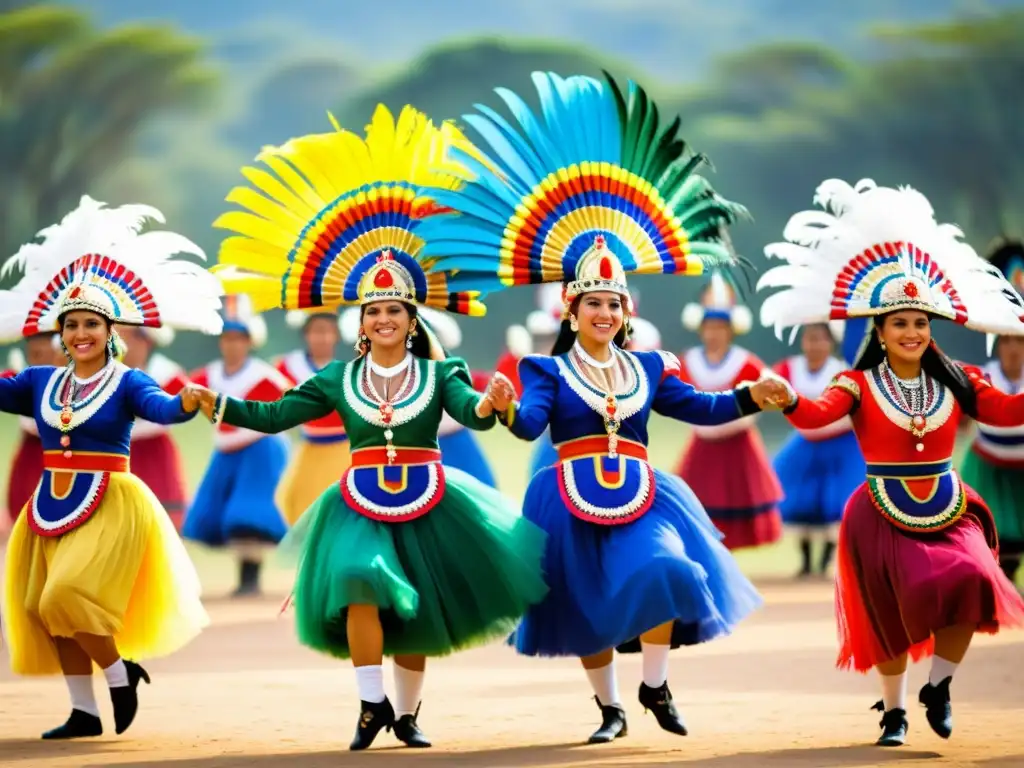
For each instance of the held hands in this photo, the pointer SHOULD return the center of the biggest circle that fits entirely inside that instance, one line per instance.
(195, 397)
(771, 393)
(500, 392)
(190, 395)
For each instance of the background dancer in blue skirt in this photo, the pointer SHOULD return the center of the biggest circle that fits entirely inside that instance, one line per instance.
(632, 559)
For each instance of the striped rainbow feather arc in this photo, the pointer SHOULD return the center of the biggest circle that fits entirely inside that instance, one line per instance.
(316, 218)
(598, 160)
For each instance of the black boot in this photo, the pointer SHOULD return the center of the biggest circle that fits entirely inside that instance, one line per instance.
(826, 557)
(372, 718)
(126, 698)
(805, 557)
(613, 724)
(248, 579)
(938, 710)
(79, 726)
(408, 731)
(659, 701)
(894, 726)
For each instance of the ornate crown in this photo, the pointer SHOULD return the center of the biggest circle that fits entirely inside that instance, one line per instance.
(387, 280)
(597, 270)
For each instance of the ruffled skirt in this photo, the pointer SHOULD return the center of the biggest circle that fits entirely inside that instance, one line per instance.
(611, 583)
(1002, 488)
(314, 467)
(461, 449)
(157, 462)
(26, 471)
(818, 477)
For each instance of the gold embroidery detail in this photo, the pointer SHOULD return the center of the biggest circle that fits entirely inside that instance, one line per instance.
(845, 383)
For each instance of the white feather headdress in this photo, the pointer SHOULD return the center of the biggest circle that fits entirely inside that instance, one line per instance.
(718, 300)
(239, 315)
(645, 336)
(96, 259)
(874, 250)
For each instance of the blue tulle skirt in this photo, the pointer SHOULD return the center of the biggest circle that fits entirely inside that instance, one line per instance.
(235, 499)
(544, 454)
(610, 583)
(818, 477)
(462, 450)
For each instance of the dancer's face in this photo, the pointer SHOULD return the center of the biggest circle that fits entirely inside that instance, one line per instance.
(716, 335)
(816, 344)
(322, 337)
(138, 344)
(600, 316)
(234, 348)
(386, 324)
(906, 335)
(1010, 350)
(85, 334)
(39, 351)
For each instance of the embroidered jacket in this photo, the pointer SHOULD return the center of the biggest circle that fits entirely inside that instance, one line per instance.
(256, 380)
(406, 484)
(737, 367)
(171, 378)
(75, 476)
(812, 384)
(1002, 446)
(599, 485)
(297, 367)
(910, 465)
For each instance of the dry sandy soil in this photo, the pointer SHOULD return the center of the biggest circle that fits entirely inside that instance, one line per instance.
(246, 694)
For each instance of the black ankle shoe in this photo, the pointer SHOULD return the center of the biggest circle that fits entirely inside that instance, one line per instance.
(938, 710)
(126, 698)
(372, 719)
(408, 731)
(248, 579)
(826, 557)
(805, 559)
(659, 701)
(613, 724)
(894, 726)
(80, 725)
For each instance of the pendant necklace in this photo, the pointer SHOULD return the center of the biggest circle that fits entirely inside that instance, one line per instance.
(384, 406)
(611, 405)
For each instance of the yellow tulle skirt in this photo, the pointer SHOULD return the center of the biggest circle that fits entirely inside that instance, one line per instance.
(123, 574)
(314, 467)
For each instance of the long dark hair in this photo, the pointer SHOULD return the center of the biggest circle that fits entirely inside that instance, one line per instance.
(934, 362)
(420, 342)
(567, 336)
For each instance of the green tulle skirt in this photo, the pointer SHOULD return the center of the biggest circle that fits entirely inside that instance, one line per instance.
(1002, 489)
(461, 575)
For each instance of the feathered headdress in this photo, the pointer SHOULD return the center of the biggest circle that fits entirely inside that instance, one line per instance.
(96, 260)
(875, 250)
(240, 316)
(547, 318)
(331, 222)
(717, 302)
(1007, 256)
(596, 187)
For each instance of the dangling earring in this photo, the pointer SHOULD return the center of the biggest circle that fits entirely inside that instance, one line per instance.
(64, 349)
(111, 348)
(362, 343)
(882, 342)
(574, 325)
(411, 336)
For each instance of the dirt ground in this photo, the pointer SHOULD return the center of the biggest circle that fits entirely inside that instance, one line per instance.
(246, 694)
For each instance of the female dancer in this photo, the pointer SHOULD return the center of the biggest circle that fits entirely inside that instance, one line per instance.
(459, 448)
(631, 554)
(155, 457)
(819, 468)
(726, 465)
(234, 505)
(916, 573)
(323, 448)
(27, 465)
(95, 571)
(994, 466)
(403, 557)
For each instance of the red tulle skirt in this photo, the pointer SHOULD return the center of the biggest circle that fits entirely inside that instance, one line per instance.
(735, 482)
(26, 469)
(156, 461)
(894, 589)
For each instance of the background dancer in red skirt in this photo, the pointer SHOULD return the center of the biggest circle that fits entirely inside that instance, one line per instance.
(917, 573)
(155, 457)
(746, 511)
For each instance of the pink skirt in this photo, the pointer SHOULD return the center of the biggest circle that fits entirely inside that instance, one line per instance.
(26, 469)
(894, 589)
(735, 482)
(156, 461)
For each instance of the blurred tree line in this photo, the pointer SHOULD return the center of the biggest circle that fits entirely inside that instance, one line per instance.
(939, 110)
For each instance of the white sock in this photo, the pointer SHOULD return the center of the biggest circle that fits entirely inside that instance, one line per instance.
(894, 691)
(655, 664)
(603, 681)
(82, 695)
(941, 669)
(370, 680)
(408, 689)
(117, 674)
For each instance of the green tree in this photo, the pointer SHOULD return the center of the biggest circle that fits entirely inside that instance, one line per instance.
(73, 100)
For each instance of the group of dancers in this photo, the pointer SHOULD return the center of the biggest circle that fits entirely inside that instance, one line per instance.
(404, 546)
